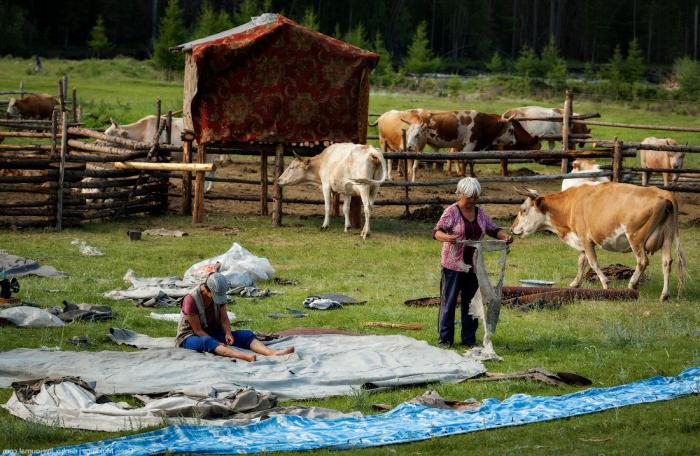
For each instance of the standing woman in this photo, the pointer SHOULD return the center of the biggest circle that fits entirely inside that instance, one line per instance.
(462, 220)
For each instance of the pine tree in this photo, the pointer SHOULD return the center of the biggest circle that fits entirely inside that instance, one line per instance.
(496, 64)
(616, 66)
(383, 74)
(210, 22)
(419, 58)
(527, 65)
(357, 37)
(249, 8)
(99, 42)
(310, 20)
(552, 65)
(634, 68)
(171, 34)
(337, 34)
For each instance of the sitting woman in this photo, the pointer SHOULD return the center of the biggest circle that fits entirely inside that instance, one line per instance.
(204, 325)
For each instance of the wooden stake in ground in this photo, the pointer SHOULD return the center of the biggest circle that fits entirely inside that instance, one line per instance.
(617, 161)
(276, 188)
(565, 130)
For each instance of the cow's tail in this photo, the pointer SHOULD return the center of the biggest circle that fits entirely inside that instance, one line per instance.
(370, 124)
(680, 256)
(375, 156)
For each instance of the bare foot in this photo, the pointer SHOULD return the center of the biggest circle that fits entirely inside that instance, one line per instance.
(249, 358)
(285, 351)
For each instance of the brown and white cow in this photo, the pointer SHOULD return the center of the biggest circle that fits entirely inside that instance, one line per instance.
(523, 141)
(583, 165)
(661, 159)
(391, 125)
(539, 128)
(344, 168)
(145, 128)
(34, 106)
(617, 217)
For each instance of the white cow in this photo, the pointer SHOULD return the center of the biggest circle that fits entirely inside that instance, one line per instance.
(145, 128)
(583, 165)
(345, 168)
(541, 128)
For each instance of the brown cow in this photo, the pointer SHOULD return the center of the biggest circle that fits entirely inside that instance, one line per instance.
(617, 217)
(34, 106)
(391, 125)
(661, 159)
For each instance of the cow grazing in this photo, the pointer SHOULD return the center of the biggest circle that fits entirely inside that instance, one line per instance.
(144, 130)
(391, 125)
(539, 128)
(661, 159)
(617, 217)
(34, 106)
(345, 168)
(583, 165)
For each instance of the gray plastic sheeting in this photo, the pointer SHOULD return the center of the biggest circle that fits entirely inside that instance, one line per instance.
(331, 365)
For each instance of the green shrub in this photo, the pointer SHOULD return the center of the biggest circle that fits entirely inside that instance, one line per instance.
(634, 68)
(686, 73)
(496, 64)
(552, 65)
(527, 65)
(454, 85)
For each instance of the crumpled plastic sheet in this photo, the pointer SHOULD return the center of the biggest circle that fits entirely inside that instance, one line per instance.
(17, 266)
(406, 423)
(30, 317)
(318, 303)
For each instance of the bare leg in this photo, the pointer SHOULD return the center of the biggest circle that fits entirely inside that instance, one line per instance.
(579, 275)
(414, 168)
(259, 347)
(223, 350)
(388, 168)
(327, 203)
(665, 175)
(645, 178)
(589, 248)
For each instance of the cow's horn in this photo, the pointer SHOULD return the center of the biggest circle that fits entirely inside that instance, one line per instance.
(296, 155)
(509, 118)
(526, 192)
(405, 121)
(113, 122)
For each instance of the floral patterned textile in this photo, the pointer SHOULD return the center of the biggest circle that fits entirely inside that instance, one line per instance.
(279, 82)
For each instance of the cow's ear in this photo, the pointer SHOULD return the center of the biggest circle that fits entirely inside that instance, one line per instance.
(124, 134)
(539, 204)
(114, 124)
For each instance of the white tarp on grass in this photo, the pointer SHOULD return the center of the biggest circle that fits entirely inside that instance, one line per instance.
(330, 365)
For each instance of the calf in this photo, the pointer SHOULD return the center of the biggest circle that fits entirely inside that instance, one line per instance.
(34, 106)
(583, 165)
(345, 168)
(661, 159)
(617, 217)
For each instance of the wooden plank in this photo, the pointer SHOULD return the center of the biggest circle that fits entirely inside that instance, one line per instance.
(151, 166)
(198, 206)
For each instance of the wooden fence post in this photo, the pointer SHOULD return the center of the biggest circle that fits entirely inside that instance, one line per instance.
(61, 171)
(276, 188)
(263, 184)
(187, 138)
(75, 106)
(405, 172)
(21, 89)
(565, 129)
(198, 206)
(617, 161)
(54, 132)
(61, 96)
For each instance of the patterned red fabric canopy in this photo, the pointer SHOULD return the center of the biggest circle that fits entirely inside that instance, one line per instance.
(280, 82)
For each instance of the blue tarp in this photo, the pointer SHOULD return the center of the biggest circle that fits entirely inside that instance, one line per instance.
(406, 423)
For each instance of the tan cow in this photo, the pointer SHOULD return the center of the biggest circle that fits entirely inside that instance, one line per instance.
(345, 168)
(34, 106)
(660, 159)
(617, 217)
(583, 165)
(391, 125)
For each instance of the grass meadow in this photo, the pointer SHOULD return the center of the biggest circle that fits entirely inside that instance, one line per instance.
(609, 342)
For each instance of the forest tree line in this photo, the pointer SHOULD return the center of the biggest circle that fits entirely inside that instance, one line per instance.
(460, 33)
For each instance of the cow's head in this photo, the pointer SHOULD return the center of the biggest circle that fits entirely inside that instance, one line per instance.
(581, 165)
(12, 109)
(115, 130)
(532, 214)
(297, 171)
(522, 137)
(675, 159)
(417, 131)
(507, 136)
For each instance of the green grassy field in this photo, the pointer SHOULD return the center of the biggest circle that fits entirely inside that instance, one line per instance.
(608, 342)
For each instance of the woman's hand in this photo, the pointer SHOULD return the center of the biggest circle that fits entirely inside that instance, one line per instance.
(229, 339)
(503, 236)
(444, 237)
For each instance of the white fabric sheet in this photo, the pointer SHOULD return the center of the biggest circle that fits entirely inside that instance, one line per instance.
(322, 366)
